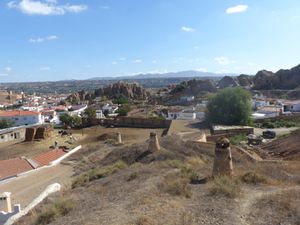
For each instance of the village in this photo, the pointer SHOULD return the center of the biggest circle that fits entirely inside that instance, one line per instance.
(45, 134)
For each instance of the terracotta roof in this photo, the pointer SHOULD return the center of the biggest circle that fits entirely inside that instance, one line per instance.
(45, 158)
(18, 113)
(12, 167)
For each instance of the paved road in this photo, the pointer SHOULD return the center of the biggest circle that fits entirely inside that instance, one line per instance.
(24, 189)
(279, 131)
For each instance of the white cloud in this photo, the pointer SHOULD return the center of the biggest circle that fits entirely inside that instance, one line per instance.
(45, 68)
(196, 47)
(137, 61)
(43, 39)
(46, 7)
(3, 74)
(187, 29)
(237, 9)
(114, 63)
(224, 61)
(7, 69)
(122, 59)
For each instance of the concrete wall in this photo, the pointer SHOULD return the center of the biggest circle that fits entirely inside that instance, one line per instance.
(49, 190)
(129, 122)
(4, 216)
(234, 131)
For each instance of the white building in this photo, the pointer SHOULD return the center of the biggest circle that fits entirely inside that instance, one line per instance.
(291, 106)
(19, 118)
(77, 110)
(111, 109)
(181, 115)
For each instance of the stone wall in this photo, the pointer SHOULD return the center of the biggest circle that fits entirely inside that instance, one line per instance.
(129, 122)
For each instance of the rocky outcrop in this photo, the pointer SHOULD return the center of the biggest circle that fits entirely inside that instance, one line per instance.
(129, 90)
(194, 87)
(282, 79)
(228, 81)
(241, 80)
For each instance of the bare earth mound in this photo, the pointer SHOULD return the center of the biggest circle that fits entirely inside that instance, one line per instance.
(286, 148)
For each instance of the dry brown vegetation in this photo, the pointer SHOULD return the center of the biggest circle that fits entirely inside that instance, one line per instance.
(125, 185)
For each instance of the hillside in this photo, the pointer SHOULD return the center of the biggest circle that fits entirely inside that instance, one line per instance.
(122, 185)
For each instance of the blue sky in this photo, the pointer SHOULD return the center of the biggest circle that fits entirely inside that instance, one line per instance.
(79, 39)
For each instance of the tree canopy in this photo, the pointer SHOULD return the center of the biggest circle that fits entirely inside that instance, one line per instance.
(230, 106)
(71, 121)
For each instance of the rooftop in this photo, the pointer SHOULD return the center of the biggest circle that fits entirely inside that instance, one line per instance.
(18, 113)
(12, 167)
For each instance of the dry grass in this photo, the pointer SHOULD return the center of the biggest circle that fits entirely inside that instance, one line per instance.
(60, 207)
(280, 208)
(176, 185)
(225, 186)
(254, 178)
(98, 173)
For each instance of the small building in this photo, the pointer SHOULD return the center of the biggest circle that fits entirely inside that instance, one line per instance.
(177, 114)
(267, 112)
(186, 99)
(231, 130)
(77, 110)
(11, 134)
(111, 109)
(19, 118)
(291, 106)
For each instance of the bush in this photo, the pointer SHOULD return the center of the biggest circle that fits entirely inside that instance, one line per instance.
(98, 173)
(230, 106)
(253, 178)
(235, 140)
(176, 185)
(225, 186)
(124, 110)
(61, 207)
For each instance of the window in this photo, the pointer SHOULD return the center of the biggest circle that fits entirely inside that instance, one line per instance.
(2, 137)
(16, 118)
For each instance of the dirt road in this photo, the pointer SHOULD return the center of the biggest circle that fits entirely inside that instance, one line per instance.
(24, 189)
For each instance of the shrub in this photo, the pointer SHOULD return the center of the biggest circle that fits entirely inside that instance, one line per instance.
(235, 140)
(176, 185)
(253, 178)
(61, 207)
(225, 186)
(98, 173)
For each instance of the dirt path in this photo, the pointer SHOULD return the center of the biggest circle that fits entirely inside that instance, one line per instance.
(252, 196)
(24, 189)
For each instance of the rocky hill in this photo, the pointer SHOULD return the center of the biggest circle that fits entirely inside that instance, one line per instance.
(194, 87)
(132, 91)
(265, 80)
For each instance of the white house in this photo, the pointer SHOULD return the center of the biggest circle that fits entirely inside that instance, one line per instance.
(291, 106)
(19, 118)
(187, 98)
(267, 112)
(77, 110)
(111, 109)
(181, 115)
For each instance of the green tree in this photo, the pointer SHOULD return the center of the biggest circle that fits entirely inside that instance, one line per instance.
(5, 124)
(230, 106)
(120, 99)
(90, 113)
(70, 121)
(123, 111)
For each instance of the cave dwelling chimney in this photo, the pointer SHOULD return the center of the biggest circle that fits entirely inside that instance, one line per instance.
(223, 160)
(5, 202)
(119, 138)
(153, 143)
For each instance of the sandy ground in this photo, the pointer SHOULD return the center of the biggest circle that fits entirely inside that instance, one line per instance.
(24, 189)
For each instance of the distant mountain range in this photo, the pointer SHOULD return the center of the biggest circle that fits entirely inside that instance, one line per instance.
(188, 73)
